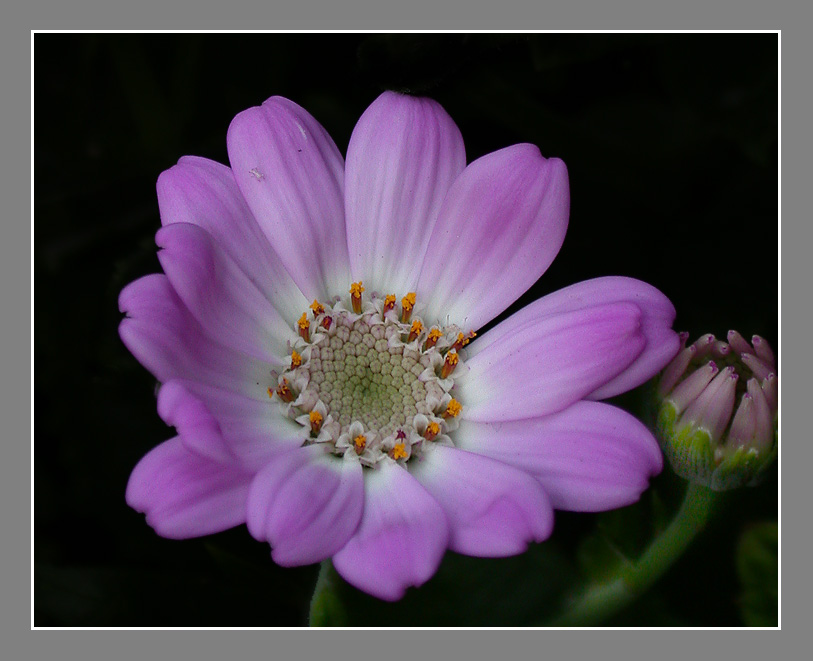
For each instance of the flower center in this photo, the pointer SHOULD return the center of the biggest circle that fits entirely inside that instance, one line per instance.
(372, 379)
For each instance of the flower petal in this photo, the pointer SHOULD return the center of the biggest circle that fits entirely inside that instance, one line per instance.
(549, 363)
(403, 156)
(204, 193)
(589, 457)
(306, 504)
(493, 509)
(225, 426)
(401, 539)
(219, 295)
(501, 225)
(292, 176)
(161, 333)
(184, 495)
(657, 315)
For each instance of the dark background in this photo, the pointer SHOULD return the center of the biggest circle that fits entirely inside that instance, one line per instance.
(671, 146)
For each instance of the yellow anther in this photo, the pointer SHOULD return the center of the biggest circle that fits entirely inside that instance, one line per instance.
(432, 339)
(316, 421)
(270, 392)
(416, 329)
(449, 364)
(284, 391)
(296, 359)
(453, 409)
(432, 430)
(463, 340)
(360, 442)
(407, 303)
(317, 308)
(399, 451)
(355, 296)
(389, 302)
(304, 327)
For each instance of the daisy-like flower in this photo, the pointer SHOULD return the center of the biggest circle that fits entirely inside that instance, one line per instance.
(314, 335)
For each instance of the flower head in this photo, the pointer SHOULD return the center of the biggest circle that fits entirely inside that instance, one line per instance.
(718, 412)
(337, 423)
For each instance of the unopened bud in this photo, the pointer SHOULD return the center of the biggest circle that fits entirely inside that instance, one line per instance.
(717, 419)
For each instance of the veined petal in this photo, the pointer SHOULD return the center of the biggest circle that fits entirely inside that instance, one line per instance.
(493, 510)
(401, 539)
(161, 333)
(219, 295)
(549, 363)
(225, 426)
(291, 174)
(184, 495)
(501, 225)
(204, 193)
(403, 156)
(589, 457)
(657, 316)
(306, 504)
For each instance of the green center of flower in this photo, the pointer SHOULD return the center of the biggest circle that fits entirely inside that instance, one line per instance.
(372, 381)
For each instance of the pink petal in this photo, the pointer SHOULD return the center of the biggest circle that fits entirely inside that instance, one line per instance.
(499, 229)
(403, 156)
(493, 509)
(184, 495)
(204, 193)
(292, 176)
(401, 539)
(657, 315)
(165, 338)
(549, 363)
(589, 457)
(219, 295)
(306, 504)
(225, 426)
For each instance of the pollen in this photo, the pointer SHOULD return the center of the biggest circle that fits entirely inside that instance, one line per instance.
(432, 430)
(407, 303)
(296, 359)
(304, 327)
(432, 338)
(316, 421)
(270, 392)
(284, 391)
(453, 409)
(389, 303)
(463, 340)
(355, 296)
(359, 443)
(449, 364)
(317, 308)
(415, 330)
(399, 451)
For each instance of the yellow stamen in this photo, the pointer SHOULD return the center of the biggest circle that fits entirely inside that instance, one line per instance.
(432, 430)
(462, 340)
(304, 327)
(453, 409)
(360, 442)
(326, 322)
(389, 303)
(284, 391)
(432, 339)
(316, 421)
(407, 303)
(416, 329)
(355, 296)
(317, 308)
(296, 359)
(399, 451)
(449, 364)
(270, 392)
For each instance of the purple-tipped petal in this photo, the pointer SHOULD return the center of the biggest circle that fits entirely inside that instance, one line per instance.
(657, 315)
(224, 425)
(675, 370)
(403, 156)
(738, 342)
(292, 176)
(219, 295)
(760, 369)
(161, 333)
(204, 193)
(691, 387)
(306, 504)
(184, 495)
(493, 509)
(547, 364)
(401, 539)
(764, 351)
(500, 227)
(589, 457)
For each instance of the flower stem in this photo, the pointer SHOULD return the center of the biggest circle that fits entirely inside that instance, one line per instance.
(326, 607)
(631, 580)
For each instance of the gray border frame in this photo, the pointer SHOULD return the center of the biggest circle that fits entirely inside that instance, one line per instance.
(15, 274)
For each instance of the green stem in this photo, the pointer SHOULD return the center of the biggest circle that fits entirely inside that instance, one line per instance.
(600, 601)
(326, 607)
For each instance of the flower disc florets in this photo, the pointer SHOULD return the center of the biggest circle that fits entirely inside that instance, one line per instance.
(372, 381)
(718, 413)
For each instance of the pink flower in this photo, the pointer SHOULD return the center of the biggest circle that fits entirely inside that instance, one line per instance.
(312, 333)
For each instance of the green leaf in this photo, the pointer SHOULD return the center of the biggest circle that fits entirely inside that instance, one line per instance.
(758, 571)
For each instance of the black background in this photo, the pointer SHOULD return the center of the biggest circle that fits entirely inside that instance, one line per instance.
(671, 146)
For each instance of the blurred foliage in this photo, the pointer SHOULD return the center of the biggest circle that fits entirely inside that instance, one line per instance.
(758, 570)
(671, 145)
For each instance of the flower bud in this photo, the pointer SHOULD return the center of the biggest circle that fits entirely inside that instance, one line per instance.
(717, 416)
